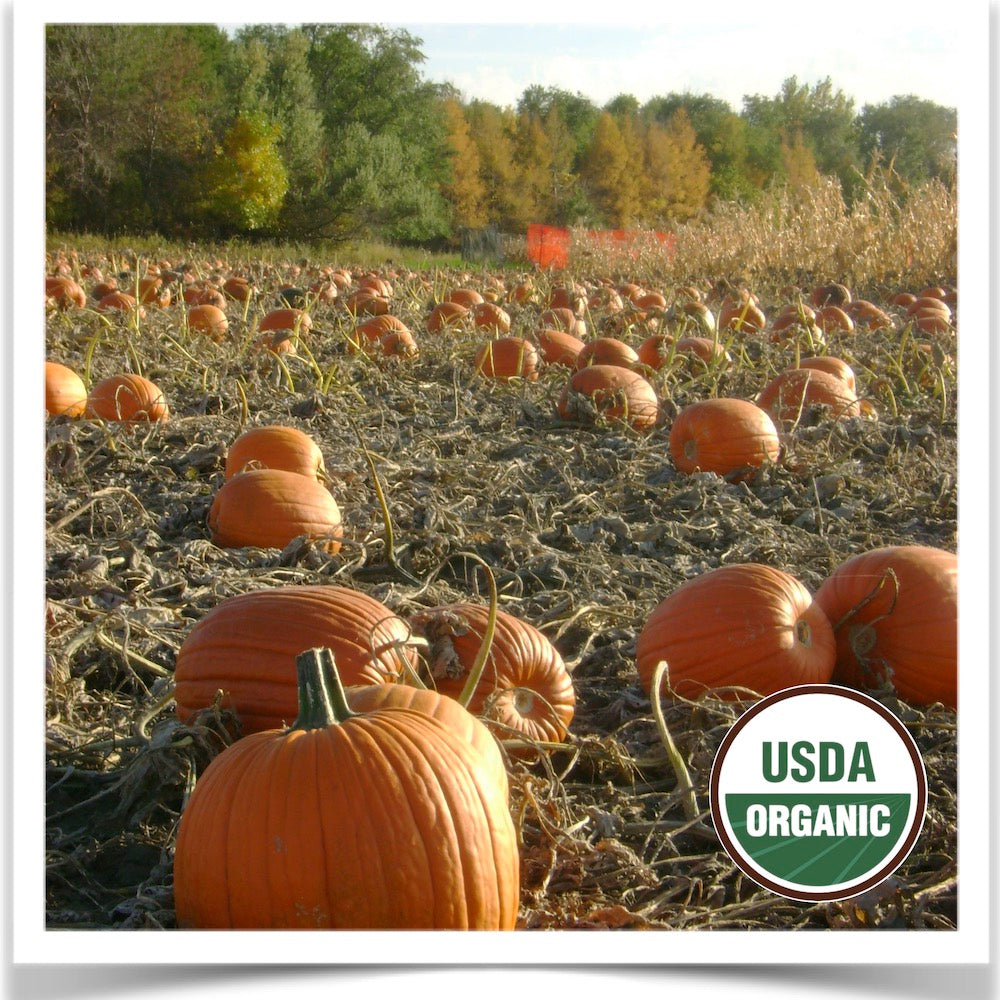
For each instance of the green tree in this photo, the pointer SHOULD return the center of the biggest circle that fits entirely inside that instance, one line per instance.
(823, 116)
(918, 137)
(493, 130)
(129, 109)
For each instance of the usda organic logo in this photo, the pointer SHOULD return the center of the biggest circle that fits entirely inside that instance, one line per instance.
(818, 792)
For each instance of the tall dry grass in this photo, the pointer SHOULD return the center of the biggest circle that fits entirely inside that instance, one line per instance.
(885, 239)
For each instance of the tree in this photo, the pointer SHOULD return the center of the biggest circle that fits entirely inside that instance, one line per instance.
(244, 184)
(533, 160)
(605, 166)
(129, 109)
(823, 116)
(676, 176)
(492, 130)
(722, 134)
(917, 137)
(464, 190)
(375, 191)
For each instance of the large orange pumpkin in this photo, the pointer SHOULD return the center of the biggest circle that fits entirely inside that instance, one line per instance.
(127, 397)
(269, 507)
(525, 685)
(609, 392)
(247, 644)
(731, 437)
(446, 316)
(895, 613)
(745, 626)
(377, 820)
(275, 446)
(65, 393)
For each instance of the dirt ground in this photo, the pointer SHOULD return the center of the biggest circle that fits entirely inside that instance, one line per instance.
(585, 527)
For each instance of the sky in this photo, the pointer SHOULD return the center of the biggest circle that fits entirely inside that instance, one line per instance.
(871, 53)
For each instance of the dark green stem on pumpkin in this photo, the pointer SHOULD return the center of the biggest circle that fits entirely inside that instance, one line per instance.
(322, 701)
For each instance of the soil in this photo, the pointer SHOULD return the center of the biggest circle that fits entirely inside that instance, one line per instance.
(585, 527)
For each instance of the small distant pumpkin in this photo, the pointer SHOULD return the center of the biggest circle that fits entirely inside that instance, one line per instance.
(208, 319)
(288, 319)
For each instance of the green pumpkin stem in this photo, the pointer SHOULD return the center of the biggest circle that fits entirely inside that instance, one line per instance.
(322, 701)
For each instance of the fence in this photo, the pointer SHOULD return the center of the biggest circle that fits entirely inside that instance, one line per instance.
(552, 246)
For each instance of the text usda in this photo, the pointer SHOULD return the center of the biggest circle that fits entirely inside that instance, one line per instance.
(818, 792)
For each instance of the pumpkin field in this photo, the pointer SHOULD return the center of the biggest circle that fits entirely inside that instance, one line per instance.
(528, 472)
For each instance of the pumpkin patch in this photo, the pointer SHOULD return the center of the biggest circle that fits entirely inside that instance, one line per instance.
(605, 451)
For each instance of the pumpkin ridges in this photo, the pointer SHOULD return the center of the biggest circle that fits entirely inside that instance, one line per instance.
(413, 833)
(723, 436)
(520, 657)
(247, 643)
(914, 619)
(735, 626)
(267, 508)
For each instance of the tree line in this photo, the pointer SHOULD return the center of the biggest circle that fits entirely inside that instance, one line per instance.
(331, 131)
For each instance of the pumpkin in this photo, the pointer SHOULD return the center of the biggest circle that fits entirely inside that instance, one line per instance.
(525, 686)
(65, 393)
(790, 395)
(559, 347)
(741, 316)
(204, 294)
(607, 351)
(286, 319)
(658, 347)
(208, 319)
(731, 437)
(651, 302)
(247, 644)
(118, 301)
(745, 626)
(238, 288)
(65, 292)
(833, 319)
(831, 294)
(895, 614)
(694, 313)
(275, 446)
(376, 820)
(609, 392)
(794, 314)
(571, 297)
(153, 292)
(560, 318)
(127, 397)
(490, 316)
(467, 297)
(267, 508)
(507, 357)
(446, 316)
(833, 365)
(370, 697)
(867, 314)
(399, 344)
(373, 329)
